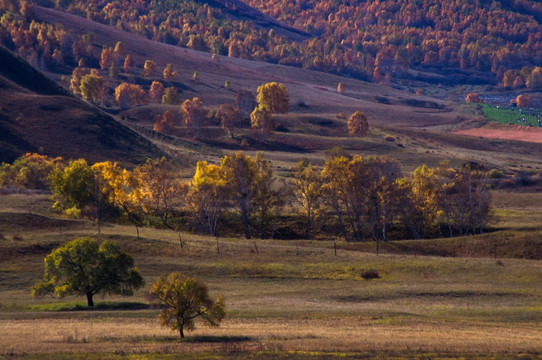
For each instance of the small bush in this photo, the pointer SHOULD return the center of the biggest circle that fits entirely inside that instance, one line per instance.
(370, 274)
(495, 174)
(389, 138)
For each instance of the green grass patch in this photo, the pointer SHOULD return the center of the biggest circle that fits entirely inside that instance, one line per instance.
(508, 115)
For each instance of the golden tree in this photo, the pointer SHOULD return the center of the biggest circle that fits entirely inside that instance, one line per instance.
(156, 91)
(149, 69)
(357, 124)
(274, 97)
(92, 88)
(128, 64)
(170, 73)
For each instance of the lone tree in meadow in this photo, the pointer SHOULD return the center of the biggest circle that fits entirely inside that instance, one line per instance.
(357, 124)
(84, 267)
(182, 299)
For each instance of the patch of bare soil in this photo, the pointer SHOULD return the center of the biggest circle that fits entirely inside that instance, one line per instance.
(505, 132)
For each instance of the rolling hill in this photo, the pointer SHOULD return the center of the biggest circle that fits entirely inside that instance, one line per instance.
(37, 115)
(410, 127)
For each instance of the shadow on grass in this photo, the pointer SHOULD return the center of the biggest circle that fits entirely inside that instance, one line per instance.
(195, 339)
(97, 307)
(216, 339)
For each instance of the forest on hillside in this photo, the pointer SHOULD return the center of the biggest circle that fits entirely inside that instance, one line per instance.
(372, 40)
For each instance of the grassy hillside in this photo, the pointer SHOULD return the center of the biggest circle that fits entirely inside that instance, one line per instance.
(37, 115)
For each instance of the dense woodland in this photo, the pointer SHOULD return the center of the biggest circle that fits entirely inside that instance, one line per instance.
(374, 40)
(350, 197)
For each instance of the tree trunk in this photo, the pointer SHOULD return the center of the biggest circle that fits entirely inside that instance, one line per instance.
(90, 302)
(181, 332)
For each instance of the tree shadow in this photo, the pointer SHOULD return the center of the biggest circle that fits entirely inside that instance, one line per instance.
(215, 339)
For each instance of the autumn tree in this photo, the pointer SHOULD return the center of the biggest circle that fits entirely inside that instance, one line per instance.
(473, 98)
(193, 115)
(246, 102)
(267, 201)
(30, 171)
(128, 64)
(207, 196)
(420, 199)
(84, 267)
(523, 100)
(156, 91)
(357, 124)
(73, 186)
(181, 300)
(274, 97)
(340, 88)
(170, 73)
(127, 94)
(230, 117)
(262, 120)
(92, 88)
(149, 69)
(307, 192)
(164, 123)
(106, 58)
(171, 96)
(121, 188)
(239, 172)
(161, 188)
(75, 82)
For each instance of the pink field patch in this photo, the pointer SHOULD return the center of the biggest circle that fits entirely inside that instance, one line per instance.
(506, 132)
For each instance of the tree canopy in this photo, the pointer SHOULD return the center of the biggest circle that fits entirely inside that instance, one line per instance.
(84, 267)
(182, 299)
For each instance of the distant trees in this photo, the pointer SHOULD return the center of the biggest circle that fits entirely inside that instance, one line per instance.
(181, 300)
(356, 197)
(358, 124)
(84, 267)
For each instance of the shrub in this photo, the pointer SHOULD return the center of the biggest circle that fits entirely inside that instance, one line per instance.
(370, 274)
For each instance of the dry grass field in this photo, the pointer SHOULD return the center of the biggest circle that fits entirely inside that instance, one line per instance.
(291, 299)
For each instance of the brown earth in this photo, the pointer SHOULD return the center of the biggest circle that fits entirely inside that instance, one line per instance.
(506, 132)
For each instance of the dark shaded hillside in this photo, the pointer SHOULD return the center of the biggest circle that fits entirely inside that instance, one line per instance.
(36, 115)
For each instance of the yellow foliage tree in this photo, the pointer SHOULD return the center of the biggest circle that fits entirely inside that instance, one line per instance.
(92, 88)
(357, 124)
(274, 97)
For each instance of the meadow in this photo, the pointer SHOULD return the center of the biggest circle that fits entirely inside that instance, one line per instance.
(284, 299)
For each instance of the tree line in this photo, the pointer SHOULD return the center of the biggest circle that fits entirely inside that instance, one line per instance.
(356, 198)
(373, 40)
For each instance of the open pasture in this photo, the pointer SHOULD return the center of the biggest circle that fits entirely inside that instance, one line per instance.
(284, 299)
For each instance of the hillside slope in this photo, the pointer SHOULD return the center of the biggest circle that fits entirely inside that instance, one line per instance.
(36, 115)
